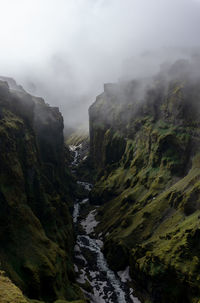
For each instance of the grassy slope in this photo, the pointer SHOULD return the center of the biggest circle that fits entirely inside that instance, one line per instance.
(10, 293)
(36, 232)
(151, 191)
(77, 137)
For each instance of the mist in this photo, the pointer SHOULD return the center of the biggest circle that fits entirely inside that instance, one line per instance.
(65, 50)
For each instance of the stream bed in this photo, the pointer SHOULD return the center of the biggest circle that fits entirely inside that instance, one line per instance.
(99, 283)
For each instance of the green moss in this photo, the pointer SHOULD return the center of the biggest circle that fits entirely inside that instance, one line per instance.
(151, 197)
(9, 292)
(35, 194)
(77, 137)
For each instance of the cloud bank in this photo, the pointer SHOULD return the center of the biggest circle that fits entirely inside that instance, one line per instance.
(64, 50)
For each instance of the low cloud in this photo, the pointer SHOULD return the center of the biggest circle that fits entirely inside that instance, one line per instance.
(65, 50)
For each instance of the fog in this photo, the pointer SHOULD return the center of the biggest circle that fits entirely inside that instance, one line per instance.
(64, 50)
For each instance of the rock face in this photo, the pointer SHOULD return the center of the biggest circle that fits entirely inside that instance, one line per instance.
(36, 233)
(145, 147)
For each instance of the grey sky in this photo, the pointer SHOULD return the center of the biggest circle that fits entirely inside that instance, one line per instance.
(64, 50)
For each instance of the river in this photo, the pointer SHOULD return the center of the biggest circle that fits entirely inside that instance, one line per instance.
(99, 283)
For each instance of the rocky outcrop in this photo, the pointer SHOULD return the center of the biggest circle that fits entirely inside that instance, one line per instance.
(36, 233)
(145, 147)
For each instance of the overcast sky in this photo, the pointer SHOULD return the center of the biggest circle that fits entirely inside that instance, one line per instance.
(64, 50)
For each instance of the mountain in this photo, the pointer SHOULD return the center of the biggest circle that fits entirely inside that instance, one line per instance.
(145, 147)
(36, 233)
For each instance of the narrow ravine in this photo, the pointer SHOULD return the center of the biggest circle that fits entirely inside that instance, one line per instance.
(99, 283)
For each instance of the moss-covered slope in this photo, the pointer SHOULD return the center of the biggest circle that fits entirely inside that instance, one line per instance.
(36, 236)
(146, 150)
(9, 292)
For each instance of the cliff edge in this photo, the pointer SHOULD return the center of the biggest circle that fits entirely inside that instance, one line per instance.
(36, 232)
(145, 147)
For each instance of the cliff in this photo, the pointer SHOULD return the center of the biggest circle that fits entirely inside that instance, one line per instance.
(145, 147)
(36, 232)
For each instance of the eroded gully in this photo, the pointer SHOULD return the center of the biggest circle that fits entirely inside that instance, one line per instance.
(99, 283)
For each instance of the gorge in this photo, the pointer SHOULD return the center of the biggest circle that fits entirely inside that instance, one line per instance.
(110, 218)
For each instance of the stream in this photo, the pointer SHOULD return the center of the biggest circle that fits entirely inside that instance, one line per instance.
(99, 283)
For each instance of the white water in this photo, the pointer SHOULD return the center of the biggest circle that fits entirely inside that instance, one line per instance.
(124, 275)
(86, 185)
(75, 149)
(107, 287)
(77, 209)
(76, 212)
(103, 267)
(89, 223)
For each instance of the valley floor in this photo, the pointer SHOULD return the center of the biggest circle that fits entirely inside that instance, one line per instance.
(99, 283)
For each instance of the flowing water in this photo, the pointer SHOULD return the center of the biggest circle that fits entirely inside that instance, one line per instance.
(99, 283)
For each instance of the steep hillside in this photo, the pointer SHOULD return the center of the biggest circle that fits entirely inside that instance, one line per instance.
(77, 136)
(36, 233)
(145, 146)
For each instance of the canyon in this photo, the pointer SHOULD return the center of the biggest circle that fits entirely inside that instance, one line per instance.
(113, 216)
